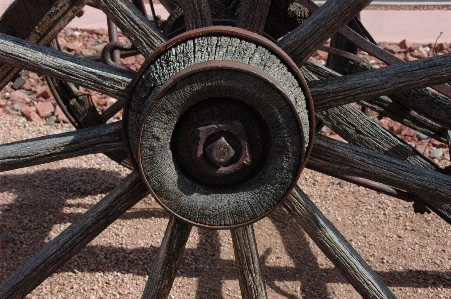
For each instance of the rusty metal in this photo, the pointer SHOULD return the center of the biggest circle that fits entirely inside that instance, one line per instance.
(220, 152)
(112, 47)
(342, 53)
(113, 37)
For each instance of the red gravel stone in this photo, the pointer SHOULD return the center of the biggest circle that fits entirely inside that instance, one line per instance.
(45, 109)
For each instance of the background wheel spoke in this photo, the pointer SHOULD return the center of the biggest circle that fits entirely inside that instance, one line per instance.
(40, 59)
(302, 42)
(252, 15)
(167, 260)
(360, 162)
(143, 34)
(335, 246)
(196, 13)
(247, 262)
(74, 238)
(61, 146)
(385, 81)
(40, 27)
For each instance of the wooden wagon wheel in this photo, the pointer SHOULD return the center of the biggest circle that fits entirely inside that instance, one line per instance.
(219, 123)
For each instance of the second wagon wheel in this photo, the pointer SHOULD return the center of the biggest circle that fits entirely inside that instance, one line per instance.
(218, 125)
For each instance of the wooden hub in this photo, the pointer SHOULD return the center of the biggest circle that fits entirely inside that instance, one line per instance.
(221, 133)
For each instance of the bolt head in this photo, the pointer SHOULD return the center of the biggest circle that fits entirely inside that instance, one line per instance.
(220, 152)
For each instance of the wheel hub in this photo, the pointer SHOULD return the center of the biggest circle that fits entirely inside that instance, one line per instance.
(221, 134)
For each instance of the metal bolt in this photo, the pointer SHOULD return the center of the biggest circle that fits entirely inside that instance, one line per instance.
(220, 152)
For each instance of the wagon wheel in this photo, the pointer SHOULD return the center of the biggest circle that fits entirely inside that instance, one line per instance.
(219, 124)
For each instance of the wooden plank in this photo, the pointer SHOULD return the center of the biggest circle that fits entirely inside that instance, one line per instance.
(74, 238)
(44, 60)
(360, 162)
(385, 81)
(335, 246)
(250, 277)
(302, 42)
(61, 146)
(252, 15)
(167, 260)
(42, 24)
(143, 34)
(196, 13)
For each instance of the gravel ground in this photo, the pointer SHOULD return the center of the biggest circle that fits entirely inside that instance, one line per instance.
(411, 252)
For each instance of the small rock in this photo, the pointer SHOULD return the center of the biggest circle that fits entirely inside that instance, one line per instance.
(436, 153)
(18, 97)
(43, 91)
(7, 95)
(405, 44)
(442, 46)
(60, 116)
(73, 46)
(421, 136)
(45, 109)
(26, 86)
(50, 121)
(2, 112)
(101, 31)
(2, 103)
(17, 106)
(34, 117)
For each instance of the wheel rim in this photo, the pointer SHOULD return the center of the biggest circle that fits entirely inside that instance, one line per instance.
(298, 204)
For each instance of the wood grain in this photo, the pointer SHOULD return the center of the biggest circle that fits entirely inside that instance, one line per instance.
(386, 81)
(167, 260)
(384, 105)
(44, 60)
(252, 15)
(61, 146)
(303, 41)
(143, 34)
(41, 26)
(250, 277)
(74, 238)
(196, 13)
(360, 162)
(335, 246)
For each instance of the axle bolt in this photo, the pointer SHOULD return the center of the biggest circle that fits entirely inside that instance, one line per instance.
(220, 152)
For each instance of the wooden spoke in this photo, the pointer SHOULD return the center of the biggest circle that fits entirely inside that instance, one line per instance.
(74, 238)
(247, 263)
(167, 260)
(335, 246)
(384, 105)
(252, 15)
(196, 13)
(302, 42)
(356, 128)
(385, 81)
(61, 146)
(143, 34)
(103, 78)
(360, 162)
(42, 25)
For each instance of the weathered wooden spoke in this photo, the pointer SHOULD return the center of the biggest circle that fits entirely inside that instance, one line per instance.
(167, 260)
(42, 25)
(74, 238)
(61, 146)
(360, 162)
(385, 81)
(196, 13)
(247, 263)
(143, 34)
(103, 78)
(252, 15)
(302, 42)
(388, 106)
(335, 246)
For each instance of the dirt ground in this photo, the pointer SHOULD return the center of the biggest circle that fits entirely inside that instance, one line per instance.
(411, 252)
